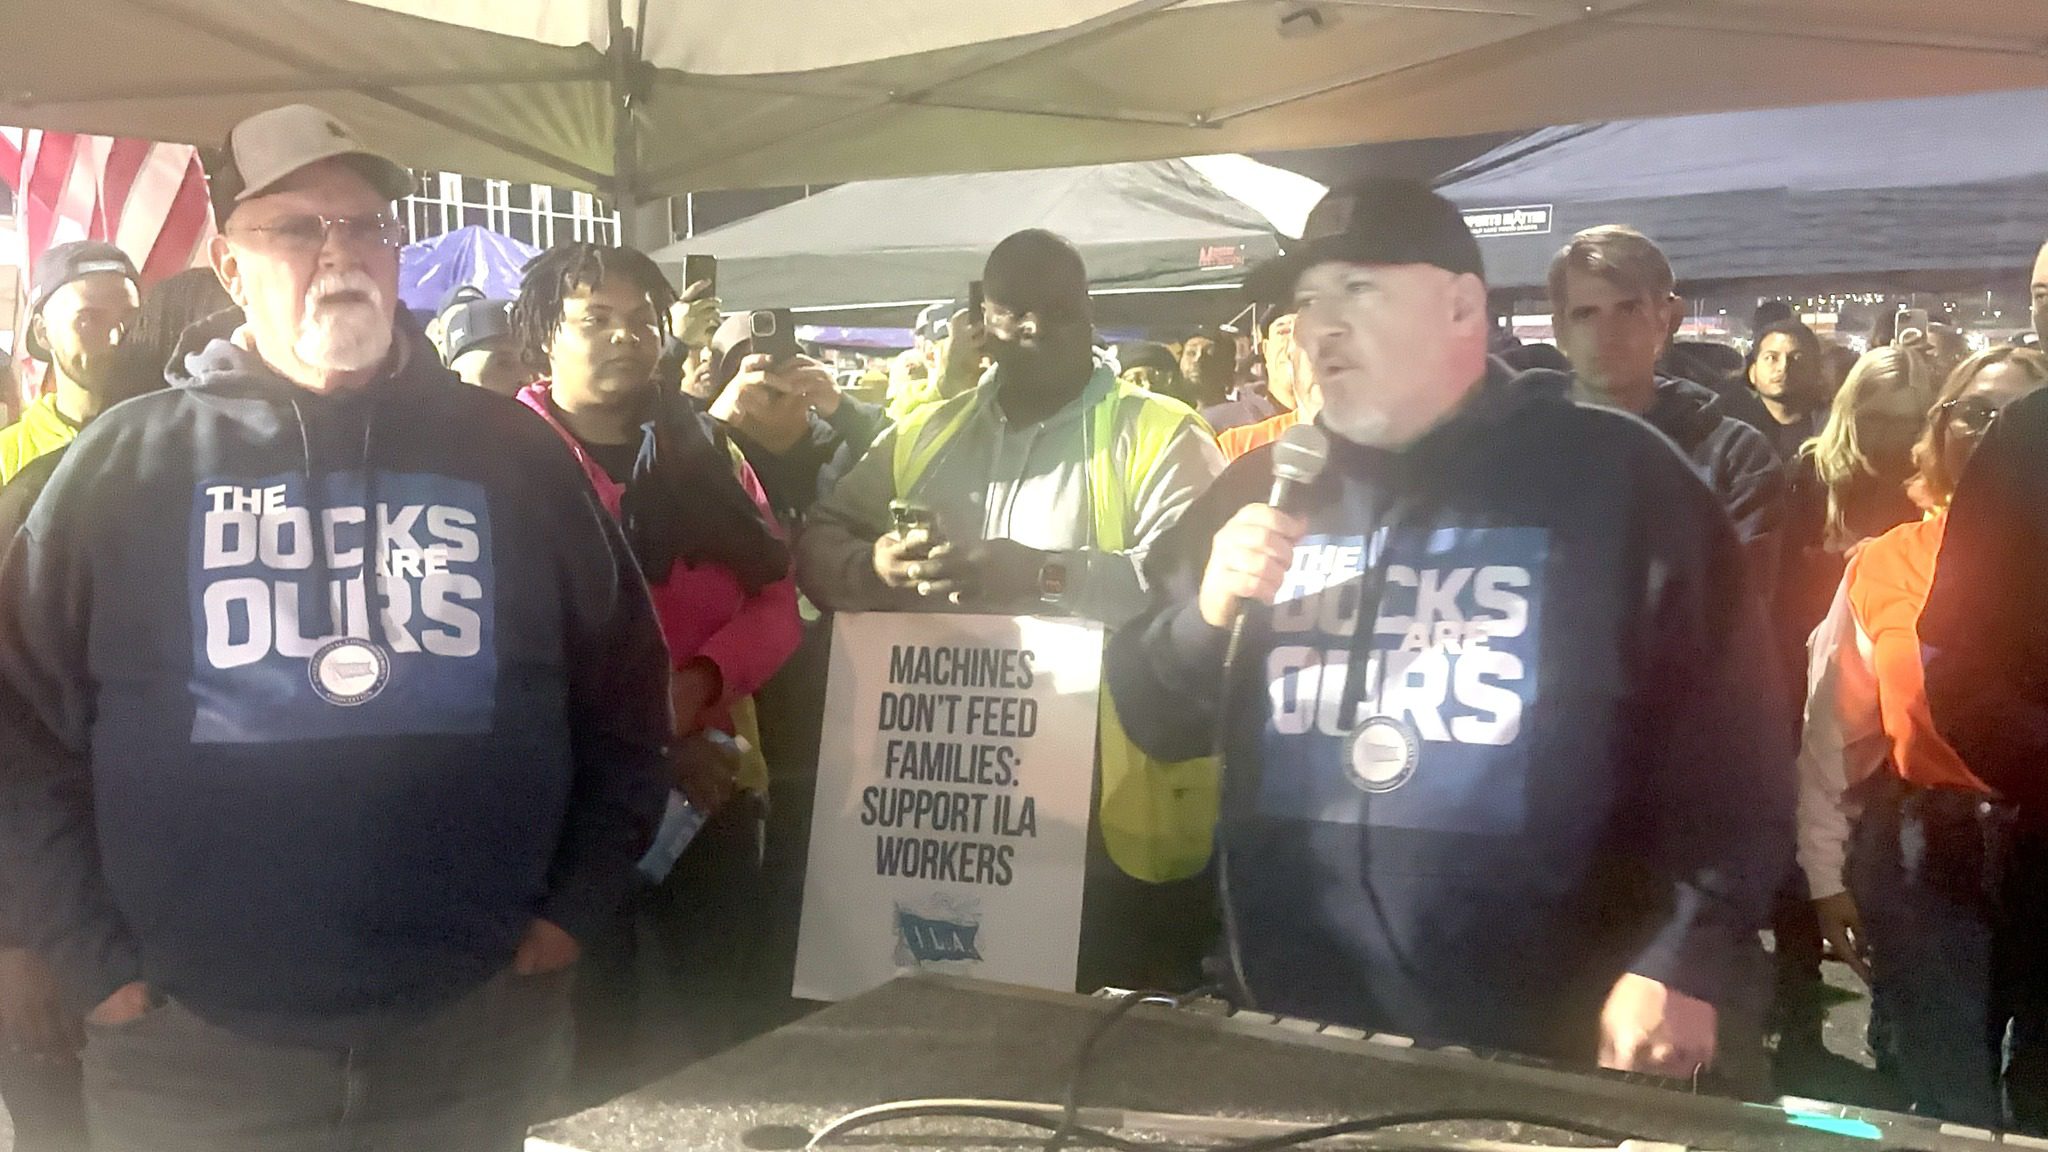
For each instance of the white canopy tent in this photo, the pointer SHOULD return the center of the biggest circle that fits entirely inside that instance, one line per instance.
(642, 98)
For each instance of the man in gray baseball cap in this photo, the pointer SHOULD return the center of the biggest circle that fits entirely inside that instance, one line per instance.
(333, 707)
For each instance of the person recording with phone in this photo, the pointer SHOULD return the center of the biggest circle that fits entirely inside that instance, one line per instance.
(1495, 769)
(782, 409)
(686, 354)
(1040, 491)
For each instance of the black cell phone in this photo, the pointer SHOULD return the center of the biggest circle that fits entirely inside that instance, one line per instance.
(704, 268)
(906, 517)
(974, 299)
(773, 333)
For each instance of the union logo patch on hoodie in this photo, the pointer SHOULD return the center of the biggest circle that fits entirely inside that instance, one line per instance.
(1420, 724)
(363, 611)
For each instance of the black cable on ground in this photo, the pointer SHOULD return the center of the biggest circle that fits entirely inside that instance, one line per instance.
(1432, 1116)
(846, 1126)
(1070, 1100)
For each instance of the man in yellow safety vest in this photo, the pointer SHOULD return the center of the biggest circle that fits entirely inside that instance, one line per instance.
(1044, 487)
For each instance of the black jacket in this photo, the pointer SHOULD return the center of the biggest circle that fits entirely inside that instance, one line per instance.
(1430, 824)
(1738, 464)
(17, 496)
(1983, 631)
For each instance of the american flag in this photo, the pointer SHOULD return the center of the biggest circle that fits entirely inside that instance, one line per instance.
(147, 197)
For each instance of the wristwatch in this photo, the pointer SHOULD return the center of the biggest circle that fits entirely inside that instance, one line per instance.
(1052, 583)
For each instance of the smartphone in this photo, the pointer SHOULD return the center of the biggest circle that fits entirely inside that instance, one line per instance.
(906, 517)
(701, 268)
(773, 332)
(1914, 318)
(974, 299)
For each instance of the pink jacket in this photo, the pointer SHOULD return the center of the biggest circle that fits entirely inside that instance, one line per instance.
(703, 610)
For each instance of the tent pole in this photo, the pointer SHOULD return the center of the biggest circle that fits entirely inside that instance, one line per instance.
(625, 179)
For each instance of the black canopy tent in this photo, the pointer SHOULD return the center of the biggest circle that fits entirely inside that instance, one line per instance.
(1896, 195)
(885, 248)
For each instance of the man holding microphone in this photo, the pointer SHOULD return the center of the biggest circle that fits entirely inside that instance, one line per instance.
(1497, 769)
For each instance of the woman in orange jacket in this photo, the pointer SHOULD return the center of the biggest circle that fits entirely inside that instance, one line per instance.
(1896, 835)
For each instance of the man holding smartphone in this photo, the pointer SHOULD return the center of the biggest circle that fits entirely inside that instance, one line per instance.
(1040, 491)
(1006, 467)
(798, 432)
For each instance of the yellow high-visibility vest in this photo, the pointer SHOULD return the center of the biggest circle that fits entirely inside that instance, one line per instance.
(1158, 817)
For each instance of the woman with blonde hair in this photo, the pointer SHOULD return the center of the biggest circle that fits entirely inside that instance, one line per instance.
(1893, 826)
(1863, 457)
(1844, 485)
(1847, 484)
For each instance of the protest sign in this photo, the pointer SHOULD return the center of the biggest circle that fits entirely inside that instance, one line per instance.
(954, 779)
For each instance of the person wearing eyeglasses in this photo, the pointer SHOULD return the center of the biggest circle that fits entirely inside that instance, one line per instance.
(1893, 822)
(592, 321)
(333, 709)
(1986, 649)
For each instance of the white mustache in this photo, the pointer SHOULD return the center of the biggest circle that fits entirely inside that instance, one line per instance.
(336, 283)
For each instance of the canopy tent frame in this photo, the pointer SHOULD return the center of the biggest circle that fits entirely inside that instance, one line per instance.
(318, 78)
(872, 102)
(587, 107)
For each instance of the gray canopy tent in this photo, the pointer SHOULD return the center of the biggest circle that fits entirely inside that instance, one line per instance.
(1892, 195)
(644, 98)
(1155, 226)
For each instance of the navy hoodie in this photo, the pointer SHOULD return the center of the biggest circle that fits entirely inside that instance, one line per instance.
(1546, 764)
(1738, 463)
(226, 775)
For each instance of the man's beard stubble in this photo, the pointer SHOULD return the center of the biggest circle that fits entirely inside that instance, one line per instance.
(99, 373)
(344, 336)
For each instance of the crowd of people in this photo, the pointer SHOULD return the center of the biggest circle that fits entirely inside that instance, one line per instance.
(410, 729)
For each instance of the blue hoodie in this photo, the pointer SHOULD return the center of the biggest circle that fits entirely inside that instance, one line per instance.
(226, 776)
(1548, 763)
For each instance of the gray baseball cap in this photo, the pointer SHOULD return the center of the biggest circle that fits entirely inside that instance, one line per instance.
(269, 146)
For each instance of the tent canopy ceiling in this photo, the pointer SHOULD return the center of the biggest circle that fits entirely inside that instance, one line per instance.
(1139, 226)
(1895, 190)
(797, 91)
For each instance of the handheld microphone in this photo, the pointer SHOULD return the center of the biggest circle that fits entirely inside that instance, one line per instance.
(1298, 459)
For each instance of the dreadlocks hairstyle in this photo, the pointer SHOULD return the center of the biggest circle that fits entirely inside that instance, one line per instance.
(683, 501)
(558, 272)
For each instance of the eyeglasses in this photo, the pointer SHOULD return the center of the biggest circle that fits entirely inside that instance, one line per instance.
(1970, 416)
(308, 233)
